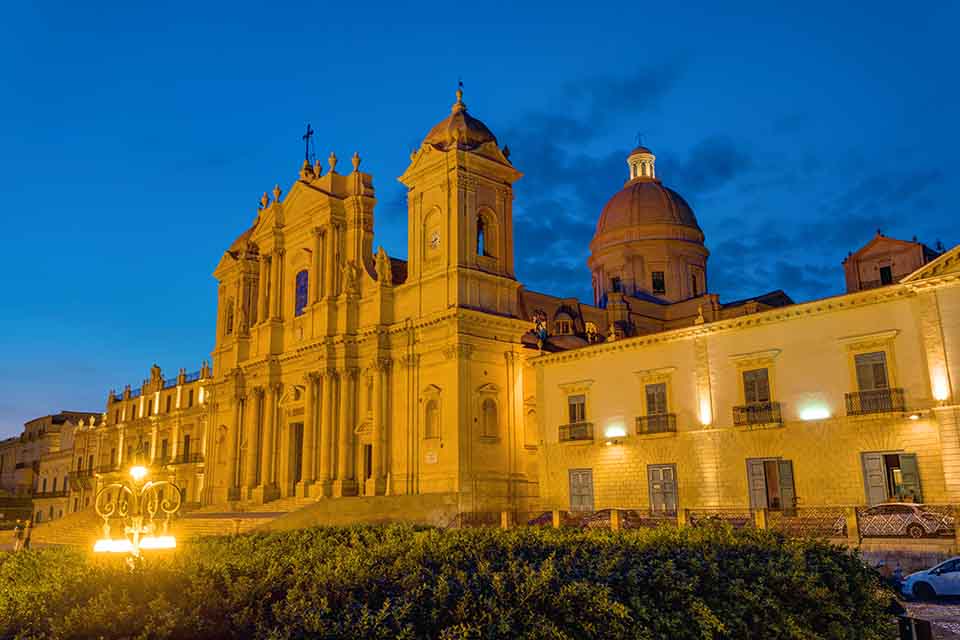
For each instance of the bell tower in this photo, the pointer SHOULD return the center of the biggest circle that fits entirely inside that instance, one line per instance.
(460, 216)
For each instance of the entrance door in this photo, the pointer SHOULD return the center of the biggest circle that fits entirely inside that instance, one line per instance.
(663, 488)
(581, 489)
(296, 439)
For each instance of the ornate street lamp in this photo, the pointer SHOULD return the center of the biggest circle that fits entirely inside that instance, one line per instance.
(145, 508)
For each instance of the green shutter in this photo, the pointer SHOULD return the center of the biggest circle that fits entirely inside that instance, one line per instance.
(911, 476)
(756, 484)
(788, 494)
(874, 478)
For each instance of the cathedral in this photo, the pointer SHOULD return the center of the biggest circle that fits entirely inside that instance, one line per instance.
(340, 372)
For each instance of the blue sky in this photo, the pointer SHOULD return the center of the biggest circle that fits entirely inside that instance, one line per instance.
(137, 139)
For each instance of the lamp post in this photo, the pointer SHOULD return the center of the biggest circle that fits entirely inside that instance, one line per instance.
(145, 508)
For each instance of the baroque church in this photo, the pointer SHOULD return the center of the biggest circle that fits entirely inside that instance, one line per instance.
(340, 371)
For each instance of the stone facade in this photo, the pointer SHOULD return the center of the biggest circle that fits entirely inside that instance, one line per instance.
(340, 372)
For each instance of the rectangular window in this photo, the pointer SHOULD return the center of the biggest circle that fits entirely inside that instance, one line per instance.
(186, 447)
(163, 449)
(44, 486)
(891, 476)
(662, 479)
(871, 371)
(615, 285)
(113, 457)
(581, 489)
(190, 398)
(886, 275)
(693, 284)
(169, 400)
(577, 406)
(770, 482)
(656, 398)
(659, 282)
(756, 386)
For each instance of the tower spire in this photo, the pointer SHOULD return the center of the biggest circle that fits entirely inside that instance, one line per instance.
(459, 105)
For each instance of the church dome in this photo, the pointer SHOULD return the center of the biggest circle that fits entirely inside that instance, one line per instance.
(459, 129)
(644, 201)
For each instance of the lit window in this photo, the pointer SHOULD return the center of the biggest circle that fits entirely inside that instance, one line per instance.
(577, 407)
(756, 386)
(301, 293)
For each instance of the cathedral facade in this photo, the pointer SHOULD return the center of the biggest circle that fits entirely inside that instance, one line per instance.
(340, 372)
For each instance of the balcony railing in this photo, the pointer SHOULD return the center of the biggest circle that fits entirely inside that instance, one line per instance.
(189, 458)
(192, 377)
(875, 401)
(108, 468)
(169, 382)
(51, 494)
(81, 473)
(576, 431)
(757, 413)
(657, 423)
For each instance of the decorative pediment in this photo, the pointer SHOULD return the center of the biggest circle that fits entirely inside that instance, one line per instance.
(755, 358)
(431, 390)
(877, 339)
(577, 386)
(649, 375)
(293, 396)
(363, 428)
(488, 389)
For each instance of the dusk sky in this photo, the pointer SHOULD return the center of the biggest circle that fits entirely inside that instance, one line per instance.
(136, 142)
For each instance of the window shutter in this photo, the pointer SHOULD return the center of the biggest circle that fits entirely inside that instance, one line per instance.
(749, 387)
(763, 386)
(911, 476)
(871, 370)
(656, 399)
(788, 494)
(874, 478)
(757, 484)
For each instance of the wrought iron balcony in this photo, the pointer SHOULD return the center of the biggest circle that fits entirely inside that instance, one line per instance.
(657, 423)
(576, 431)
(108, 468)
(757, 413)
(81, 473)
(50, 494)
(875, 401)
(189, 458)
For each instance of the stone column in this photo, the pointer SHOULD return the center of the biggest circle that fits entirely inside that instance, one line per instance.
(276, 287)
(345, 484)
(309, 452)
(379, 383)
(266, 451)
(328, 259)
(254, 403)
(232, 447)
(153, 442)
(175, 439)
(262, 312)
(329, 416)
(316, 284)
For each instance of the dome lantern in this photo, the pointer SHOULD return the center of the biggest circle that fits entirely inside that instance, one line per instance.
(641, 163)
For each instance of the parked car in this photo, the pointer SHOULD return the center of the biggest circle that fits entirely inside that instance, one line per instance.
(904, 519)
(941, 580)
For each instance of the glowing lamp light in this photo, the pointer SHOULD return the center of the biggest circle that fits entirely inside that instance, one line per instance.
(914, 416)
(158, 542)
(107, 545)
(706, 414)
(814, 413)
(615, 431)
(138, 472)
(941, 390)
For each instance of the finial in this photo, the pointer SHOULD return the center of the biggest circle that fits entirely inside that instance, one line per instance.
(506, 151)
(459, 105)
(276, 193)
(306, 144)
(317, 168)
(332, 161)
(356, 161)
(264, 200)
(700, 319)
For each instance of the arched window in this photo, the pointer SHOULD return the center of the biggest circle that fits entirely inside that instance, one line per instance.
(481, 249)
(489, 417)
(563, 324)
(301, 293)
(228, 318)
(432, 419)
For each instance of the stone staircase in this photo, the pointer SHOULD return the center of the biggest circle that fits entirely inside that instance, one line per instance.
(79, 529)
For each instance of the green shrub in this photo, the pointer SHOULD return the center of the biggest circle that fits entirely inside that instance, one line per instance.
(401, 582)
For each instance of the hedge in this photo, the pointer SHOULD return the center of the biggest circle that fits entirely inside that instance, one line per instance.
(404, 582)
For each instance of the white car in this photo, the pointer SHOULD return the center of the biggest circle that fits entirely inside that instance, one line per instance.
(941, 580)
